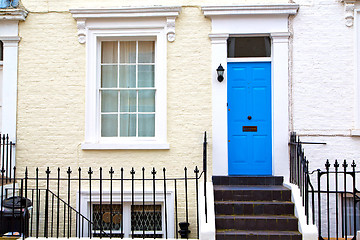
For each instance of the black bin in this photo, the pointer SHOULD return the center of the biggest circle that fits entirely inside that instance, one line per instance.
(14, 217)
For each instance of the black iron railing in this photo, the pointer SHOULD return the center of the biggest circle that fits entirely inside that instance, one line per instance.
(7, 152)
(330, 197)
(111, 202)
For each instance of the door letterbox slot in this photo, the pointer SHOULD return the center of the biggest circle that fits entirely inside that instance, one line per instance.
(249, 128)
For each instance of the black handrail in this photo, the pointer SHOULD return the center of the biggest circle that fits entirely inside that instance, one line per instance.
(205, 173)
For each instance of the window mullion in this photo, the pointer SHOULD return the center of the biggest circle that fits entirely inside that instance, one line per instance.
(137, 91)
(118, 85)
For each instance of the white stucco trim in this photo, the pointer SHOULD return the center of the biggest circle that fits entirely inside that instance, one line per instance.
(84, 206)
(250, 10)
(308, 231)
(168, 12)
(9, 87)
(207, 229)
(245, 20)
(9, 35)
(356, 130)
(13, 14)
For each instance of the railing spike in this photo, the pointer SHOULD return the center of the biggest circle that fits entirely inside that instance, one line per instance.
(336, 165)
(196, 169)
(345, 165)
(327, 165)
(353, 164)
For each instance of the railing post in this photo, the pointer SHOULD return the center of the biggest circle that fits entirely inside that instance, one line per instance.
(111, 172)
(186, 200)
(69, 193)
(122, 202)
(336, 165)
(47, 203)
(101, 226)
(353, 165)
(196, 171)
(327, 166)
(78, 215)
(166, 227)
(319, 202)
(37, 204)
(153, 172)
(143, 202)
(132, 172)
(58, 204)
(90, 172)
(345, 165)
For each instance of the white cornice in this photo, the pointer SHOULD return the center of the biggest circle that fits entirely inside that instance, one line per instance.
(288, 9)
(164, 11)
(13, 14)
(349, 6)
(168, 12)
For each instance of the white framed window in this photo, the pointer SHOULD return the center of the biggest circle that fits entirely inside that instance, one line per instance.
(126, 71)
(130, 216)
(138, 218)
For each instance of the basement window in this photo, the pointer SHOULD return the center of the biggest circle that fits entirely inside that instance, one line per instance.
(248, 47)
(141, 220)
(348, 213)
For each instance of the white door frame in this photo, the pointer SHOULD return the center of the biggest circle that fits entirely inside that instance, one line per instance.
(271, 20)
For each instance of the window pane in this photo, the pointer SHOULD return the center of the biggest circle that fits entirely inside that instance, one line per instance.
(127, 76)
(109, 76)
(146, 52)
(146, 125)
(102, 218)
(249, 47)
(127, 125)
(128, 101)
(146, 100)
(145, 215)
(146, 76)
(109, 125)
(127, 52)
(109, 101)
(109, 52)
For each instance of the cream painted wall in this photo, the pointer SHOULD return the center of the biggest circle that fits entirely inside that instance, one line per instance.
(52, 96)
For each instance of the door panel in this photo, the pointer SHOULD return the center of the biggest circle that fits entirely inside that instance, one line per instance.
(249, 118)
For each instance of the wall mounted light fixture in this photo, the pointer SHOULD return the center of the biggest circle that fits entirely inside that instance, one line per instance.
(220, 72)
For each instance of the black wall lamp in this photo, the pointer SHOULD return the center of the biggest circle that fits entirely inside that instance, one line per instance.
(220, 72)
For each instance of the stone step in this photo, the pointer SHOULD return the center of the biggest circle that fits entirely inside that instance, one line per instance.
(258, 235)
(247, 180)
(251, 193)
(254, 208)
(251, 222)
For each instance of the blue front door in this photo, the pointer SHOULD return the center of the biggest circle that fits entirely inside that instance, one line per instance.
(249, 118)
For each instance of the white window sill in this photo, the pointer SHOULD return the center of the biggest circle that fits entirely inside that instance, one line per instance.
(129, 145)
